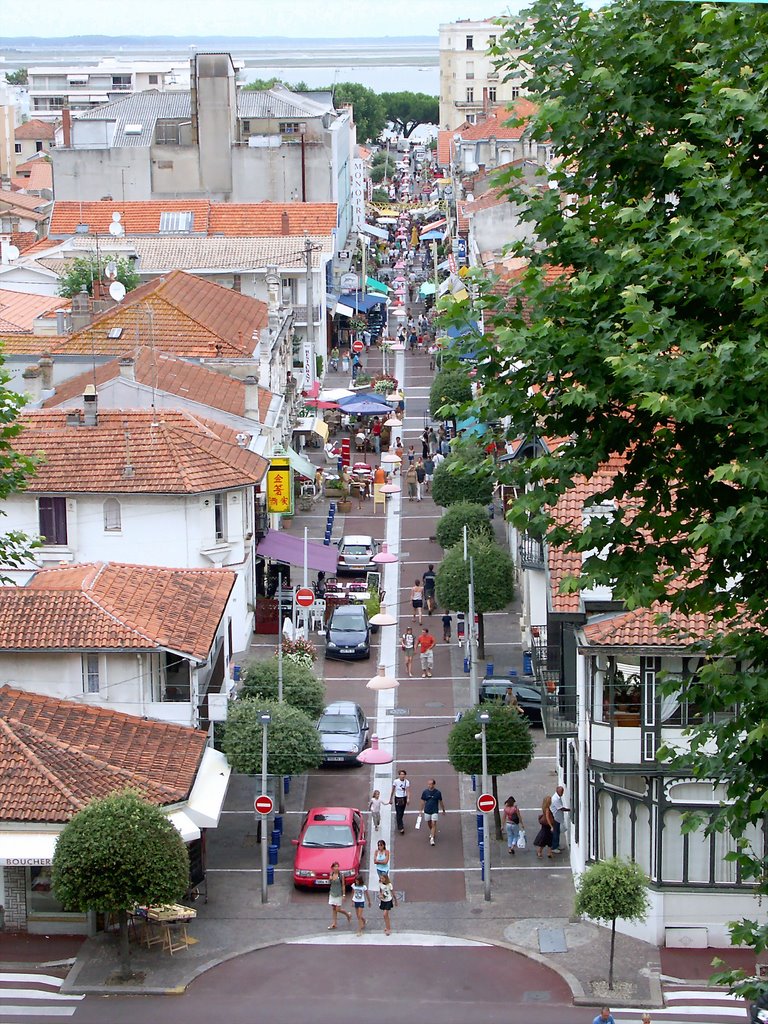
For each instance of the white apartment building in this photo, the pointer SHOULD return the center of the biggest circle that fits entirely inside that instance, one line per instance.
(82, 86)
(469, 80)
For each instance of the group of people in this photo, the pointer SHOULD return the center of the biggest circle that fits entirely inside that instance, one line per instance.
(425, 642)
(551, 820)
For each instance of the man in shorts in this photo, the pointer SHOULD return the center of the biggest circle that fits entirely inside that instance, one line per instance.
(429, 579)
(431, 803)
(425, 644)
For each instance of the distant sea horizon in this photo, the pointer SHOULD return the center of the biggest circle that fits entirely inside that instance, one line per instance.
(383, 64)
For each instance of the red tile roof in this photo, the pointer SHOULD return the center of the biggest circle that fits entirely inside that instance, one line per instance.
(23, 240)
(57, 755)
(35, 129)
(30, 204)
(444, 145)
(34, 175)
(135, 451)
(177, 313)
(231, 219)
(114, 607)
(171, 374)
(493, 126)
(18, 310)
(640, 628)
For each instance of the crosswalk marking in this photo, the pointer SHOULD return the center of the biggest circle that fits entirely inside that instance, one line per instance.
(34, 996)
(686, 1004)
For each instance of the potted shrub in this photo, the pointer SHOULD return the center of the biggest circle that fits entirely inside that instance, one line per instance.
(373, 607)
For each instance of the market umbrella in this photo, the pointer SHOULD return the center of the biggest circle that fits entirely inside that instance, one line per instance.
(366, 405)
(428, 288)
(334, 394)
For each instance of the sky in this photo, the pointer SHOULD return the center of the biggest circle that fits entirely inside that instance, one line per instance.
(307, 19)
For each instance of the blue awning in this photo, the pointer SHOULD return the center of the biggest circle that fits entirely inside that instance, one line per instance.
(361, 302)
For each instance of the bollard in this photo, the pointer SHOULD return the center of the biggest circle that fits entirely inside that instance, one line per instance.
(286, 784)
(278, 823)
(527, 663)
(270, 875)
(480, 837)
(474, 783)
(479, 820)
(489, 669)
(466, 665)
(513, 673)
(275, 837)
(272, 853)
(481, 851)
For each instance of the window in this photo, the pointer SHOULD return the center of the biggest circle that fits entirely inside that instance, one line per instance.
(168, 133)
(491, 93)
(289, 128)
(176, 222)
(38, 146)
(470, 95)
(90, 673)
(153, 80)
(112, 515)
(220, 516)
(52, 518)
(17, 147)
(121, 82)
(245, 127)
(491, 41)
(470, 69)
(515, 92)
(470, 42)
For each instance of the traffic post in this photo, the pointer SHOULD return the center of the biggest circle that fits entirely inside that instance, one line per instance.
(263, 804)
(486, 803)
(357, 346)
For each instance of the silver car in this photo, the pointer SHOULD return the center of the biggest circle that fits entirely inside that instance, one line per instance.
(344, 732)
(356, 554)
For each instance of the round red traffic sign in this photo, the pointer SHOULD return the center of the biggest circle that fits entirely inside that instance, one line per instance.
(305, 597)
(263, 804)
(357, 346)
(486, 803)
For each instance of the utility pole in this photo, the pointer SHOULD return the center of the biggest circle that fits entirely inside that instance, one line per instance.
(265, 718)
(483, 718)
(474, 695)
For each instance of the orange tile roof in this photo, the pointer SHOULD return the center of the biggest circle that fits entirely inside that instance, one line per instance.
(640, 628)
(35, 129)
(108, 606)
(23, 240)
(28, 203)
(38, 174)
(493, 126)
(135, 451)
(18, 310)
(178, 313)
(231, 219)
(168, 373)
(444, 145)
(57, 755)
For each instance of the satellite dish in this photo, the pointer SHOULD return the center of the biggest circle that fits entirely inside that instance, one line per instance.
(117, 216)
(117, 291)
(12, 252)
(116, 228)
(111, 270)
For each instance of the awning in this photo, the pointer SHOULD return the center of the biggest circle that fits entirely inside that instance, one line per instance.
(312, 425)
(284, 547)
(313, 390)
(376, 286)
(433, 236)
(27, 849)
(331, 302)
(299, 463)
(184, 825)
(370, 229)
(361, 302)
(342, 310)
(207, 797)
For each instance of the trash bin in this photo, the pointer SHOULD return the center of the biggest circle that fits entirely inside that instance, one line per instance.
(286, 784)
(236, 673)
(466, 665)
(489, 669)
(527, 663)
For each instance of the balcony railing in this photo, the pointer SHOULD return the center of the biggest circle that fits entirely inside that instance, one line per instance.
(560, 714)
(531, 552)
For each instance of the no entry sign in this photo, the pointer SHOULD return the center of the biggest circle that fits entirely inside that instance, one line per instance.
(486, 803)
(263, 804)
(305, 597)
(357, 346)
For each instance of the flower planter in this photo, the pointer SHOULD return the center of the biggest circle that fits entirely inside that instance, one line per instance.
(345, 506)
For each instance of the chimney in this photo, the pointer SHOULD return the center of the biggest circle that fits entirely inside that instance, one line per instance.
(32, 381)
(46, 371)
(81, 310)
(127, 368)
(285, 228)
(66, 127)
(485, 101)
(90, 406)
(62, 321)
(251, 398)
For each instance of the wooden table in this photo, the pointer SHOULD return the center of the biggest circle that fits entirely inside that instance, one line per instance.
(167, 925)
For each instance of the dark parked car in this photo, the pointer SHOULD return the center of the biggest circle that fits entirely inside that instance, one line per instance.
(348, 634)
(528, 696)
(344, 732)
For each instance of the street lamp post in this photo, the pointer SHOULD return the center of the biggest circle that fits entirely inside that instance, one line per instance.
(265, 718)
(471, 644)
(483, 717)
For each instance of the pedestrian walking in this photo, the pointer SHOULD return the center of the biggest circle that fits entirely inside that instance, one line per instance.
(558, 810)
(401, 795)
(513, 822)
(417, 599)
(447, 622)
(360, 896)
(421, 476)
(429, 579)
(374, 806)
(411, 482)
(605, 1017)
(543, 840)
(408, 646)
(411, 455)
(336, 894)
(381, 857)
(429, 472)
(387, 899)
(426, 644)
(431, 804)
(425, 443)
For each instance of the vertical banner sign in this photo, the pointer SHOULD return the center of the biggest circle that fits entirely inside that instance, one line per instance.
(358, 193)
(309, 365)
(462, 250)
(280, 487)
(346, 452)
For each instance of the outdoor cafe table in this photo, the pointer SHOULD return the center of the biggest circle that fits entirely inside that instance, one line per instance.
(167, 925)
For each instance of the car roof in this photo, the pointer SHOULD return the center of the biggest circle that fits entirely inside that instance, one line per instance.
(356, 538)
(342, 707)
(344, 812)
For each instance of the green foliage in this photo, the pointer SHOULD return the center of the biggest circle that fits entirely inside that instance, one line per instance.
(15, 469)
(451, 388)
(293, 743)
(82, 272)
(508, 739)
(407, 110)
(301, 687)
(118, 852)
(494, 579)
(369, 113)
(262, 84)
(19, 77)
(450, 527)
(380, 171)
(464, 476)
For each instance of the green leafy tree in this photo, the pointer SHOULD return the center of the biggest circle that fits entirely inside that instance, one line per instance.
(613, 890)
(450, 526)
(369, 113)
(508, 740)
(407, 110)
(83, 271)
(116, 853)
(653, 338)
(463, 476)
(15, 469)
(301, 687)
(293, 743)
(379, 172)
(494, 581)
(262, 84)
(451, 388)
(19, 77)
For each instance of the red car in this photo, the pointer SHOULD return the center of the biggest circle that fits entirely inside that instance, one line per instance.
(328, 834)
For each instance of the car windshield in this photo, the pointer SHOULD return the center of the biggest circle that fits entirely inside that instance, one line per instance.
(348, 620)
(338, 723)
(356, 549)
(328, 836)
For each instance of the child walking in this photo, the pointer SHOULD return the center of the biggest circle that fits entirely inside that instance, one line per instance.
(360, 896)
(387, 899)
(375, 808)
(447, 620)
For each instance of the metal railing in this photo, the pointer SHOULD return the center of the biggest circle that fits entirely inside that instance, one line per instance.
(531, 551)
(560, 713)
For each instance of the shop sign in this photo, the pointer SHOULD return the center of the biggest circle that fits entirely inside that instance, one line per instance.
(280, 488)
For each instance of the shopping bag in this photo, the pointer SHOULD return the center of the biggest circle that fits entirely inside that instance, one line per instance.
(417, 826)
(521, 841)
